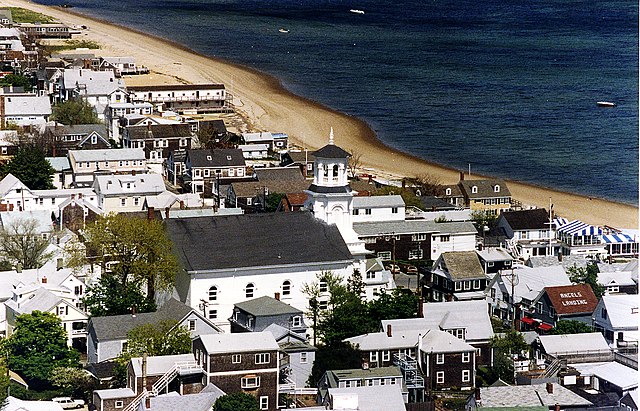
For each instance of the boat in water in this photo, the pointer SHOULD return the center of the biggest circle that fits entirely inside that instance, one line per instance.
(357, 11)
(281, 30)
(605, 104)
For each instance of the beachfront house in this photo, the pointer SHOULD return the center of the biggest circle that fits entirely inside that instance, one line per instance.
(117, 111)
(274, 141)
(579, 238)
(158, 140)
(182, 98)
(529, 232)
(98, 88)
(121, 66)
(491, 196)
(86, 164)
(39, 30)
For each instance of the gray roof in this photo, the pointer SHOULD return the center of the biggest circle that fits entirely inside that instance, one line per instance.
(462, 265)
(494, 254)
(331, 151)
(267, 306)
(229, 157)
(159, 364)
(115, 393)
(529, 396)
(536, 219)
(572, 343)
(374, 398)
(436, 341)
(378, 201)
(254, 240)
(359, 373)
(412, 227)
(202, 401)
(42, 300)
(239, 342)
(140, 184)
(486, 188)
(59, 163)
(27, 104)
(116, 327)
(251, 189)
(158, 131)
(110, 154)
(93, 83)
(278, 174)
(399, 339)
(79, 129)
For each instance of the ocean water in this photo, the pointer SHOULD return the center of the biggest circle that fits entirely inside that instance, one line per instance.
(505, 86)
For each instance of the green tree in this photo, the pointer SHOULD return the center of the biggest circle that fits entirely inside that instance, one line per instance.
(80, 383)
(137, 250)
(237, 401)
(336, 356)
(30, 166)
(16, 80)
(587, 275)
(482, 218)
(73, 112)
(511, 344)
(394, 305)
(111, 297)
(272, 201)
(37, 346)
(571, 327)
(21, 243)
(409, 197)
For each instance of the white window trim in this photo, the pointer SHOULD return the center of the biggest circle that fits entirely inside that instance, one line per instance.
(440, 377)
(439, 358)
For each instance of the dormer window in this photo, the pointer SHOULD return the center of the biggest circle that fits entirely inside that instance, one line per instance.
(229, 158)
(448, 191)
(474, 189)
(496, 188)
(209, 158)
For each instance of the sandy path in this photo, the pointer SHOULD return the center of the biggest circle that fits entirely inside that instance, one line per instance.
(269, 107)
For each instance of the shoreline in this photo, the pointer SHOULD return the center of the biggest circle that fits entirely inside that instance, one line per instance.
(267, 105)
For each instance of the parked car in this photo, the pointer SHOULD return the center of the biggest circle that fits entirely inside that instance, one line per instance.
(394, 268)
(67, 403)
(411, 269)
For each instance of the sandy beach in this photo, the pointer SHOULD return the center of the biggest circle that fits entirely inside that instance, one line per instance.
(267, 106)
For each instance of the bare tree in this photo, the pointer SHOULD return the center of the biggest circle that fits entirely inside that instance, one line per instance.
(354, 163)
(21, 243)
(428, 184)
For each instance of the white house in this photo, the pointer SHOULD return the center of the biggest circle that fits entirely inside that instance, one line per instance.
(24, 109)
(118, 193)
(616, 316)
(378, 208)
(530, 233)
(85, 164)
(116, 111)
(182, 98)
(98, 88)
(579, 238)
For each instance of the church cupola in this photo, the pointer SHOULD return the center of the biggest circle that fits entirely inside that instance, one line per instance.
(331, 169)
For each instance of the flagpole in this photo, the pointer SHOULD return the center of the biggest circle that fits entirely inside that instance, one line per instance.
(550, 225)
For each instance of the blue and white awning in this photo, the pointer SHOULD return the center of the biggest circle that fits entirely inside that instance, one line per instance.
(618, 238)
(560, 221)
(578, 228)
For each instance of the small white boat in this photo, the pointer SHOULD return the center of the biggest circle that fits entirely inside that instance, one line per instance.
(605, 104)
(357, 11)
(283, 30)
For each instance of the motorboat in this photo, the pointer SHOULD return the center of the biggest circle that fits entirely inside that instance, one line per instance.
(605, 104)
(282, 30)
(357, 11)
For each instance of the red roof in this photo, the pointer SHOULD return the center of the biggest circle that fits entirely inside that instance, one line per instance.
(572, 299)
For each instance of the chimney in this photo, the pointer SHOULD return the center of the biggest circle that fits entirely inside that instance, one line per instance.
(60, 264)
(277, 296)
(19, 268)
(133, 311)
(370, 181)
(389, 334)
(462, 176)
(150, 213)
(404, 183)
(560, 257)
(182, 207)
(144, 372)
(166, 211)
(550, 387)
(420, 308)
(477, 394)
(44, 279)
(133, 172)
(147, 402)
(556, 407)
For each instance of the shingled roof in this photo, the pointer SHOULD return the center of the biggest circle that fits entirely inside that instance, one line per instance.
(254, 240)
(463, 265)
(331, 151)
(572, 299)
(485, 188)
(159, 131)
(266, 306)
(231, 157)
(536, 219)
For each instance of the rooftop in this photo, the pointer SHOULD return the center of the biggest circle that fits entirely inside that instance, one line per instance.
(572, 343)
(462, 265)
(436, 341)
(572, 299)
(529, 396)
(536, 219)
(378, 201)
(412, 227)
(240, 342)
(266, 306)
(114, 154)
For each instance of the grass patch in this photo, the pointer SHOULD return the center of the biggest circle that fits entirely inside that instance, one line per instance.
(72, 45)
(20, 15)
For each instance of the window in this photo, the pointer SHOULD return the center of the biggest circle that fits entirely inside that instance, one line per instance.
(123, 202)
(264, 402)
(236, 359)
(136, 201)
(439, 358)
(213, 293)
(192, 325)
(183, 142)
(296, 321)
(496, 188)
(539, 307)
(418, 237)
(303, 358)
(286, 287)
(384, 255)
(458, 285)
(467, 285)
(249, 289)
(474, 189)
(466, 357)
(231, 172)
(322, 305)
(440, 377)
(373, 356)
(251, 381)
(94, 139)
(447, 192)
(603, 313)
(386, 355)
(394, 210)
(263, 358)
(355, 211)
(118, 404)
(445, 238)
(367, 211)
(125, 345)
(476, 284)
(207, 172)
(324, 287)
(466, 375)
(415, 254)
(213, 314)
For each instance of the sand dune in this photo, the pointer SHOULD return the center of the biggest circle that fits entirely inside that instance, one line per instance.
(268, 106)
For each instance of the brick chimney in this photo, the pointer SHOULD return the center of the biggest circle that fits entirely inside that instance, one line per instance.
(167, 211)
(44, 279)
(147, 402)
(389, 333)
(477, 394)
(462, 176)
(182, 207)
(276, 296)
(560, 257)
(556, 407)
(150, 213)
(550, 387)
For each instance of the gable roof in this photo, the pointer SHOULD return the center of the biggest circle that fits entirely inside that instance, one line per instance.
(331, 151)
(110, 154)
(436, 341)
(144, 132)
(116, 327)
(278, 174)
(381, 341)
(8, 182)
(139, 184)
(572, 299)
(266, 306)
(462, 265)
(239, 342)
(275, 239)
(227, 157)
(378, 201)
(622, 310)
(536, 219)
(78, 129)
(485, 188)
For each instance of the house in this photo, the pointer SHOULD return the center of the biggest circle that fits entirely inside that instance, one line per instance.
(530, 232)
(62, 175)
(121, 66)
(39, 30)
(574, 348)
(456, 276)
(566, 302)
(609, 377)
(158, 140)
(494, 260)
(365, 398)
(629, 402)
(377, 278)
(453, 195)
(292, 202)
(165, 373)
(23, 109)
(378, 208)
(385, 348)
(446, 361)
(202, 167)
(467, 320)
(174, 167)
(616, 278)
(241, 362)
(431, 203)
(537, 397)
(361, 377)
(579, 238)
(113, 399)
(85, 164)
(182, 98)
(270, 253)
(303, 160)
(616, 316)
(259, 313)
(98, 88)
(120, 193)
(620, 244)
(115, 112)
(415, 239)
(167, 201)
(296, 359)
(491, 196)
(10, 39)
(108, 335)
(274, 141)
(79, 137)
(566, 261)
(29, 299)
(254, 151)
(252, 196)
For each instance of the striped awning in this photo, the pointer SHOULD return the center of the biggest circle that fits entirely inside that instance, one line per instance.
(560, 221)
(578, 228)
(618, 238)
